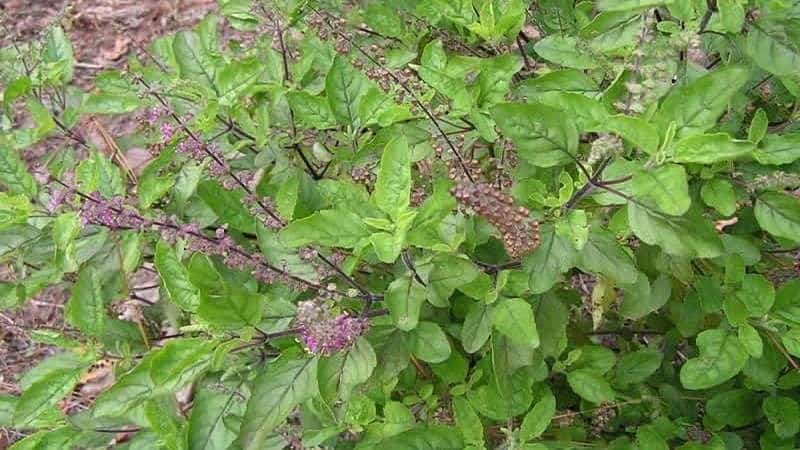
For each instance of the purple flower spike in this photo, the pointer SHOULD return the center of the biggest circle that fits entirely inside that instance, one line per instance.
(324, 333)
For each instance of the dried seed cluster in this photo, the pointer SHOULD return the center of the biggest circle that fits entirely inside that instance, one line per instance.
(520, 233)
(362, 175)
(601, 419)
(607, 145)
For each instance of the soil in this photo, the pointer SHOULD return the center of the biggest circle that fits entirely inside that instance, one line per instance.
(103, 33)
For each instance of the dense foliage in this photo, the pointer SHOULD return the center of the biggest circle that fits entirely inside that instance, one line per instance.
(418, 224)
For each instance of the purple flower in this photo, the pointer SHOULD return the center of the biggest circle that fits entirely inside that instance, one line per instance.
(57, 198)
(323, 332)
(111, 213)
(167, 131)
(154, 114)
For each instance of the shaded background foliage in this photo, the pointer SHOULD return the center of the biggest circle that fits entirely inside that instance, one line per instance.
(428, 224)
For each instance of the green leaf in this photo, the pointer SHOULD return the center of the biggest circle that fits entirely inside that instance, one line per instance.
(791, 340)
(477, 327)
(543, 135)
(428, 342)
(449, 273)
(736, 408)
(14, 175)
(719, 194)
(386, 246)
(385, 20)
(784, 414)
(58, 54)
(636, 367)
(98, 173)
(207, 427)
(153, 187)
(193, 58)
(721, 357)
(175, 278)
(695, 107)
(65, 229)
(603, 254)
(502, 397)
(430, 437)
(393, 186)
(751, 340)
(772, 53)
(16, 88)
(731, 13)
(14, 209)
(236, 78)
(554, 256)
(538, 418)
(711, 148)
(86, 308)
(114, 94)
(689, 235)
(758, 128)
(468, 421)
(635, 130)
(240, 14)
(514, 318)
(328, 227)
(627, 5)
(345, 87)
(231, 310)
(779, 215)
(45, 394)
(495, 78)
(228, 205)
(597, 358)
(642, 298)
(565, 51)
(665, 186)
(180, 361)
(757, 294)
(588, 113)
(171, 433)
(776, 149)
(377, 107)
(453, 370)
(404, 298)
(129, 391)
(280, 387)
(278, 254)
(574, 227)
(648, 437)
(552, 318)
(359, 363)
(311, 111)
(590, 386)
(7, 405)
(565, 80)
(787, 303)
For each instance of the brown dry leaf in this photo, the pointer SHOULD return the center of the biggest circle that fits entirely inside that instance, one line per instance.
(138, 158)
(117, 50)
(97, 379)
(720, 225)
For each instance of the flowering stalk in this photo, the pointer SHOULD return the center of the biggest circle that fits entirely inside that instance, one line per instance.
(198, 149)
(323, 332)
(461, 161)
(520, 233)
(115, 214)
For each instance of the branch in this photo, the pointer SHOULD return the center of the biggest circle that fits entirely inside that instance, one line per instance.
(410, 264)
(243, 185)
(410, 92)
